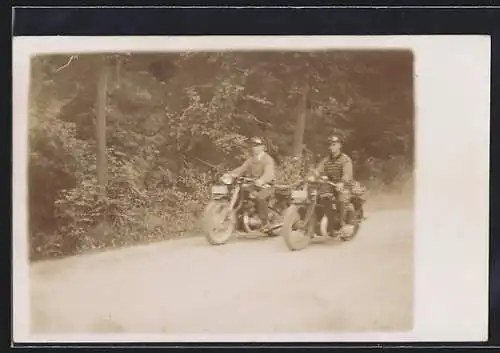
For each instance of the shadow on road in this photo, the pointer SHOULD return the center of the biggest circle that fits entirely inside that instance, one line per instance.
(241, 239)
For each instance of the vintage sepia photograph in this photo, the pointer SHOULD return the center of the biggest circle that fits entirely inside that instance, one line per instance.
(222, 191)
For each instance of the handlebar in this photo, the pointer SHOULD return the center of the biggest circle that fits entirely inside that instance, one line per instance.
(321, 181)
(292, 185)
(331, 183)
(246, 179)
(243, 179)
(281, 186)
(297, 183)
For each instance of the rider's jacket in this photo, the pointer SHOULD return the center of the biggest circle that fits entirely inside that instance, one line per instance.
(338, 169)
(261, 166)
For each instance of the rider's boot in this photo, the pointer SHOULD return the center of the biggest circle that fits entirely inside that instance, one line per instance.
(342, 213)
(262, 212)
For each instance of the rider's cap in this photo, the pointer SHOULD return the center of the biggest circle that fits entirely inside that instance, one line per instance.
(334, 139)
(256, 141)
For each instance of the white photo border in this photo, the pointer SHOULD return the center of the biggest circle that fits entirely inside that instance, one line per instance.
(451, 241)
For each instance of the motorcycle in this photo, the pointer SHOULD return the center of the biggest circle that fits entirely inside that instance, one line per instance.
(233, 208)
(316, 196)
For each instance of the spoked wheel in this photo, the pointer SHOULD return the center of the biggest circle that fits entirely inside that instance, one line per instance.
(295, 238)
(353, 229)
(218, 222)
(278, 210)
(276, 223)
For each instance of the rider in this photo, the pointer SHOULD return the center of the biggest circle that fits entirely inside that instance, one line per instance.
(260, 166)
(337, 166)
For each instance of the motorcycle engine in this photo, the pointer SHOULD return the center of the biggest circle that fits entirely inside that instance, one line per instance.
(254, 222)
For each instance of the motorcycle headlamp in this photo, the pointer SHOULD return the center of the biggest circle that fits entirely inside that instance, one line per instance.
(226, 179)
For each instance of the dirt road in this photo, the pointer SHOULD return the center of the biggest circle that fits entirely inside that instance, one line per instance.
(246, 286)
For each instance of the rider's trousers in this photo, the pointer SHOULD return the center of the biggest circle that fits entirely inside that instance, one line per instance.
(262, 199)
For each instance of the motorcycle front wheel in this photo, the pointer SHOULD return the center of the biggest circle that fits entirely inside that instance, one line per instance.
(295, 238)
(218, 222)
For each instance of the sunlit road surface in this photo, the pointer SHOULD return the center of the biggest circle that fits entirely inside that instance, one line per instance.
(246, 286)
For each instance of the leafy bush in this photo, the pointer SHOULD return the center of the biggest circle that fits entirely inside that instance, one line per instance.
(291, 170)
(57, 159)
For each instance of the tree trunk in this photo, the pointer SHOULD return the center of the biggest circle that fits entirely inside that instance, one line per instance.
(298, 141)
(102, 168)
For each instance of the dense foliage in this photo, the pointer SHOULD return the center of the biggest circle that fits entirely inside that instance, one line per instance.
(176, 121)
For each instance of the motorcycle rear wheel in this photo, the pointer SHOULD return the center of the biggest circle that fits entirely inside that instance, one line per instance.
(357, 226)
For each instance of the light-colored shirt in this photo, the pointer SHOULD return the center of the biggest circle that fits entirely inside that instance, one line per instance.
(261, 166)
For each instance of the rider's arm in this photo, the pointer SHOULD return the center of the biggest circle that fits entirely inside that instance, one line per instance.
(347, 171)
(241, 169)
(269, 168)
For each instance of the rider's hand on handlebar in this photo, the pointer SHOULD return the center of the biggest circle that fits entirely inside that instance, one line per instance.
(259, 182)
